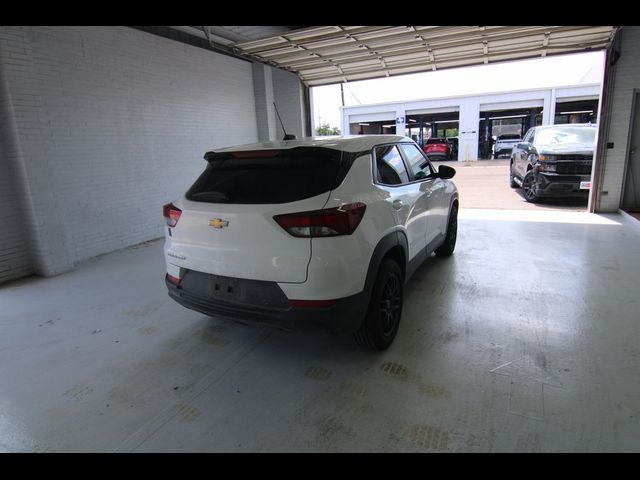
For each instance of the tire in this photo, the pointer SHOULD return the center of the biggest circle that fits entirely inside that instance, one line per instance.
(449, 245)
(495, 155)
(512, 183)
(529, 187)
(380, 325)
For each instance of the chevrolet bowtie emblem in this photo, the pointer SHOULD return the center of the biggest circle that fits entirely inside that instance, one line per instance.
(218, 223)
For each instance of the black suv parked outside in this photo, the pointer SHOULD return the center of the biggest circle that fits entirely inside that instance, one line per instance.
(554, 161)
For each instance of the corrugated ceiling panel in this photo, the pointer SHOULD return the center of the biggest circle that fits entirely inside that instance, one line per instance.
(331, 54)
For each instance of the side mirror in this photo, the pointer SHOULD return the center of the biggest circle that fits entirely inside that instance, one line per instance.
(445, 171)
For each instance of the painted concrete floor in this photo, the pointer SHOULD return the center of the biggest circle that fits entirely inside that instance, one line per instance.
(527, 339)
(485, 184)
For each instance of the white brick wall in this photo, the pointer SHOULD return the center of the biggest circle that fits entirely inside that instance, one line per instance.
(627, 77)
(111, 123)
(15, 258)
(15, 255)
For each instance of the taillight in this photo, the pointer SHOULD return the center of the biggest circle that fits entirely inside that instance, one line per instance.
(171, 214)
(174, 280)
(323, 223)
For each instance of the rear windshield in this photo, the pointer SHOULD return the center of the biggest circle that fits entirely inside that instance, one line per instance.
(509, 137)
(270, 176)
(431, 141)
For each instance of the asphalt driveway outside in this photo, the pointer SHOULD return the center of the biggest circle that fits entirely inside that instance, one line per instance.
(485, 184)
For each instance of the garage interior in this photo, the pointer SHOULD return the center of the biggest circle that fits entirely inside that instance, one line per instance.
(511, 122)
(419, 126)
(525, 340)
(518, 121)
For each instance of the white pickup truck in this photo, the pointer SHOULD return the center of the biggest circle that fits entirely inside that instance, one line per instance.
(504, 144)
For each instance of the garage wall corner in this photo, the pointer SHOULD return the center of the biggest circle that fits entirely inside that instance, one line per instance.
(626, 78)
(105, 125)
(265, 112)
(288, 93)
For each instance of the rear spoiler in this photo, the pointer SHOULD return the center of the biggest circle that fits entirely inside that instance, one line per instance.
(210, 156)
(350, 156)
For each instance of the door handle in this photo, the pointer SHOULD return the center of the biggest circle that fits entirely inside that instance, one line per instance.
(397, 204)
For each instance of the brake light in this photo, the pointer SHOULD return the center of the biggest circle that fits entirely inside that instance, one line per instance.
(174, 280)
(329, 222)
(171, 214)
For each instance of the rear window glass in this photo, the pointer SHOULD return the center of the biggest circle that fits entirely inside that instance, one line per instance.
(509, 137)
(270, 176)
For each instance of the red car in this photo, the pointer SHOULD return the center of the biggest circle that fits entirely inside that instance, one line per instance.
(437, 149)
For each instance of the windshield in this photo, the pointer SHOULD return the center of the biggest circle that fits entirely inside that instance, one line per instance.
(565, 135)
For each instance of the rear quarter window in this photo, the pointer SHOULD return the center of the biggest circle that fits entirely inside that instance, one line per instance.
(270, 176)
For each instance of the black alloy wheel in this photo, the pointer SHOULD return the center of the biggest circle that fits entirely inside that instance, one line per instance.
(381, 322)
(390, 305)
(530, 187)
(449, 244)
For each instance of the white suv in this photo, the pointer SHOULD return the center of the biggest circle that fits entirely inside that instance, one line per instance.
(504, 144)
(313, 234)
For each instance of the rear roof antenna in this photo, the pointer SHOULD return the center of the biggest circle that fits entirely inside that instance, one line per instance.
(287, 136)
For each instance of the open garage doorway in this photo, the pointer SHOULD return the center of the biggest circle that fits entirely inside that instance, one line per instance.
(506, 126)
(423, 127)
(373, 127)
(576, 111)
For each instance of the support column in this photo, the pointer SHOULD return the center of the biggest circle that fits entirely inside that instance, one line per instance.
(549, 108)
(263, 92)
(468, 138)
(345, 126)
(552, 107)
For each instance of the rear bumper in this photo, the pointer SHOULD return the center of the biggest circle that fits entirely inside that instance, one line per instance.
(264, 303)
(555, 185)
(503, 151)
(437, 155)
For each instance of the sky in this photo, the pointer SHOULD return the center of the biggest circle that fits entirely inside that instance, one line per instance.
(561, 70)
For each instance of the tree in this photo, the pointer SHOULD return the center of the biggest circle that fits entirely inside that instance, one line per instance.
(326, 129)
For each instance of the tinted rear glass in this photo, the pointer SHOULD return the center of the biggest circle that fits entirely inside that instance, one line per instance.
(270, 176)
(509, 137)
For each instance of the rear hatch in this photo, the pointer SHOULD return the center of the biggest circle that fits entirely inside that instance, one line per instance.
(436, 146)
(508, 142)
(226, 226)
